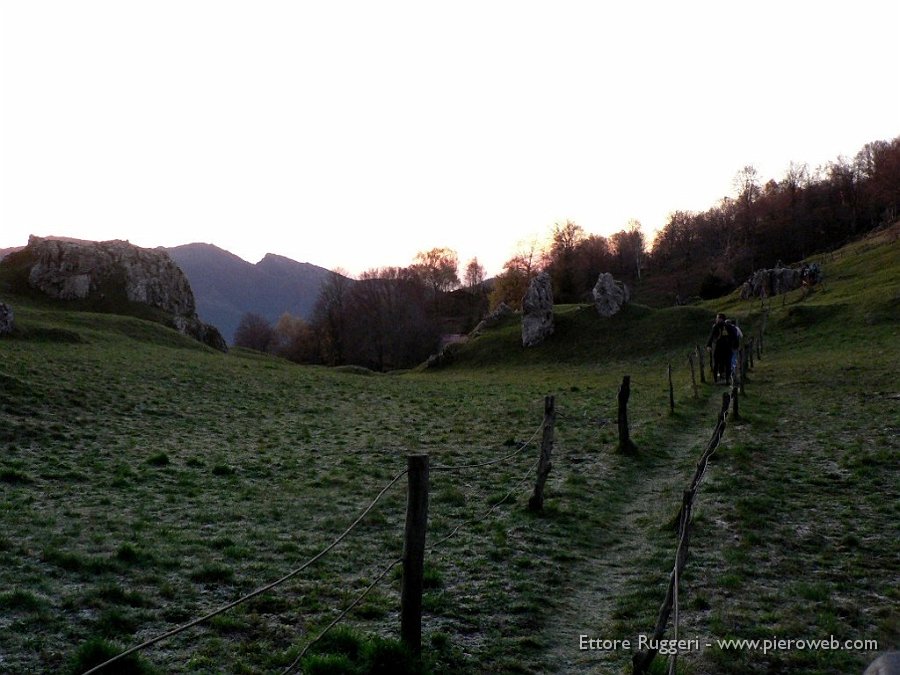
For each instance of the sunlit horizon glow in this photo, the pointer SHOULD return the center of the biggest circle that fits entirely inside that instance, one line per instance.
(354, 134)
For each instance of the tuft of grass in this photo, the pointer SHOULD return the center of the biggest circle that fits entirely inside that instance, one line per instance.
(15, 477)
(158, 459)
(76, 562)
(223, 470)
(21, 600)
(212, 573)
(98, 650)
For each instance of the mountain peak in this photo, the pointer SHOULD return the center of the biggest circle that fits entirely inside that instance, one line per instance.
(273, 262)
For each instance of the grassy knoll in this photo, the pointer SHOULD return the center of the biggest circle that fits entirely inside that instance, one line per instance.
(146, 480)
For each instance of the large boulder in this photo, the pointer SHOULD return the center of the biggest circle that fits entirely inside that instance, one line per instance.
(537, 311)
(6, 319)
(887, 663)
(609, 295)
(110, 272)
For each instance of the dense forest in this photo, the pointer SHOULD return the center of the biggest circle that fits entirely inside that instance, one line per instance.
(806, 212)
(395, 317)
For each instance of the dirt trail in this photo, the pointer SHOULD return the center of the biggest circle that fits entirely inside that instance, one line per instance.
(589, 606)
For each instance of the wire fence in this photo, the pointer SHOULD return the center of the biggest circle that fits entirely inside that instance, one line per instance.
(327, 549)
(541, 466)
(642, 660)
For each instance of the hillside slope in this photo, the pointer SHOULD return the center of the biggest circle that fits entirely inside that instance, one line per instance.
(147, 481)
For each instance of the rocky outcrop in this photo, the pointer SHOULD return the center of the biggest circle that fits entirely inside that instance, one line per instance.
(609, 295)
(766, 283)
(6, 319)
(537, 311)
(500, 312)
(111, 272)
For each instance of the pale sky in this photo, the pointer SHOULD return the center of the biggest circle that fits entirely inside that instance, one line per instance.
(354, 134)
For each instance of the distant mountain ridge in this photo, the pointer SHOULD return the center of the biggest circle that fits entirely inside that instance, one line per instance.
(6, 251)
(226, 287)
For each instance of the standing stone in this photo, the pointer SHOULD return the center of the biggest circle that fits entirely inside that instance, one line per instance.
(6, 319)
(609, 295)
(537, 311)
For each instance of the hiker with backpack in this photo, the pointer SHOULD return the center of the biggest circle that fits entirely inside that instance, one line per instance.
(736, 345)
(723, 341)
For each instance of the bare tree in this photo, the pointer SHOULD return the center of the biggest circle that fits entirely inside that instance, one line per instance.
(629, 246)
(388, 325)
(293, 339)
(330, 315)
(437, 268)
(511, 284)
(561, 260)
(474, 276)
(253, 332)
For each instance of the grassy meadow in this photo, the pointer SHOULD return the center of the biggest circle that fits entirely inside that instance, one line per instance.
(147, 480)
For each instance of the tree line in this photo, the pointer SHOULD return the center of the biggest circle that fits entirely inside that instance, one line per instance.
(807, 211)
(388, 318)
(394, 317)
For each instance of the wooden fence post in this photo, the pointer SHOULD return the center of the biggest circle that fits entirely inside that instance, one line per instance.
(536, 502)
(734, 401)
(751, 343)
(641, 660)
(693, 375)
(671, 391)
(700, 359)
(414, 553)
(625, 442)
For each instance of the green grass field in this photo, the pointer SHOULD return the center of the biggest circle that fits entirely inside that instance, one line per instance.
(147, 480)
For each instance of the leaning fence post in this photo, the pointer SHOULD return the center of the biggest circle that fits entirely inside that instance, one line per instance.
(641, 660)
(625, 443)
(536, 503)
(414, 553)
(671, 390)
(700, 359)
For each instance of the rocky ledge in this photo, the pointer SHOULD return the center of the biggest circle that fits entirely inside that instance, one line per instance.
(110, 271)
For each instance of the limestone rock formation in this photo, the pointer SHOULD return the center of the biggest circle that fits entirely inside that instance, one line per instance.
(537, 311)
(500, 312)
(766, 283)
(115, 271)
(609, 295)
(6, 319)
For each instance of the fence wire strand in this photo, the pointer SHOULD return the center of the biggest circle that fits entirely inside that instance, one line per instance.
(253, 594)
(461, 467)
(384, 573)
(489, 511)
(294, 572)
(342, 615)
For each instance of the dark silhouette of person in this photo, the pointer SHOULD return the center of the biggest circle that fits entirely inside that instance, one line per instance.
(722, 341)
